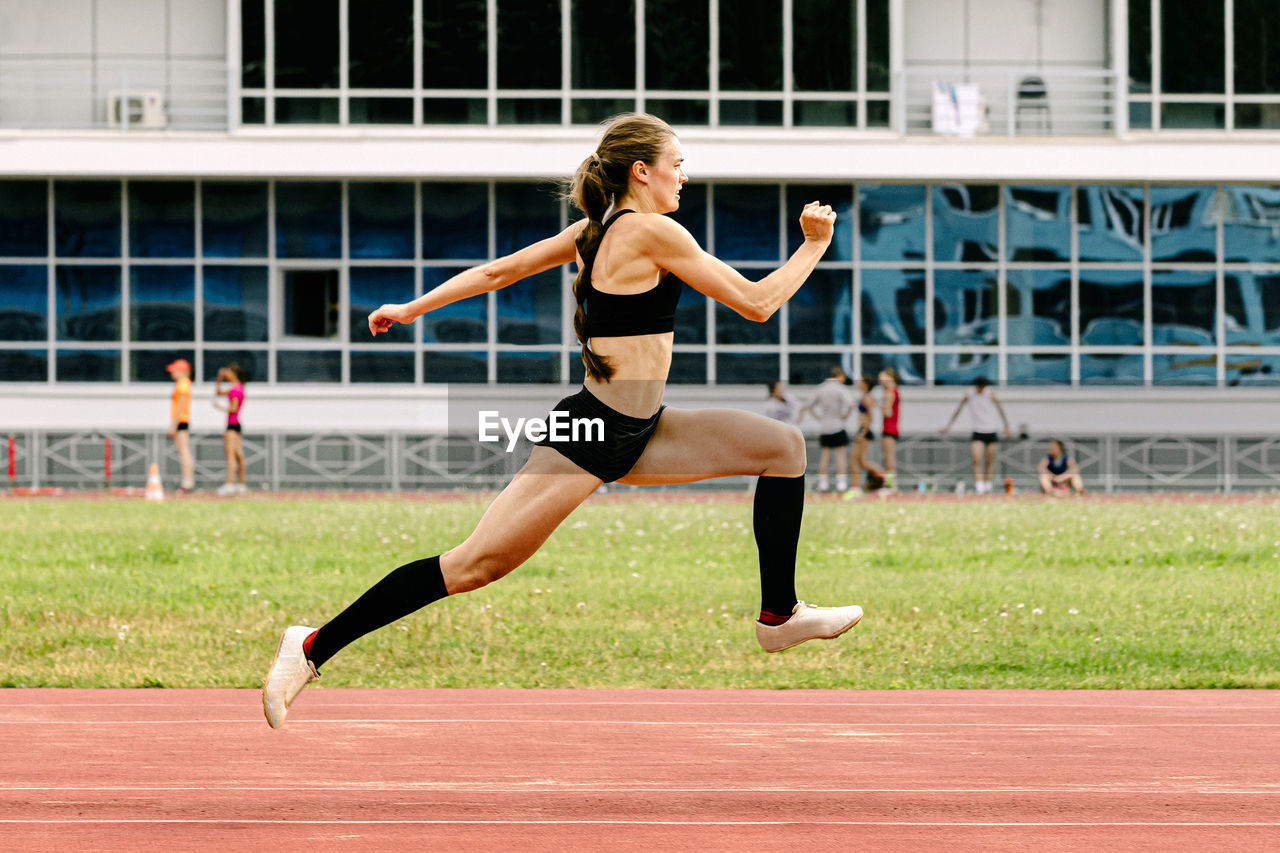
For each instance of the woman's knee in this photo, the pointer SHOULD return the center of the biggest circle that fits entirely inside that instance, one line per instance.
(790, 455)
(466, 570)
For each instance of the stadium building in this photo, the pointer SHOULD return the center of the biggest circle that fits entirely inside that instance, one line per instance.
(1078, 199)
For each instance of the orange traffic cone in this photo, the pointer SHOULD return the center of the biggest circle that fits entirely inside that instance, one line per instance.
(155, 489)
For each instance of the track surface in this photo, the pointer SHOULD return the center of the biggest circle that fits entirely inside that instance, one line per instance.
(567, 770)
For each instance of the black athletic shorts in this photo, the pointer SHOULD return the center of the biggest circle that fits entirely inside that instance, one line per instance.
(610, 457)
(867, 434)
(234, 428)
(184, 427)
(985, 437)
(839, 438)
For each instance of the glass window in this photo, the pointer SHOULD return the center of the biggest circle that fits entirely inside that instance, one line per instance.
(464, 322)
(162, 303)
(528, 111)
(381, 219)
(1257, 116)
(148, 365)
(309, 303)
(162, 219)
(891, 222)
(1110, 222)
(455, 220)
(86, 220)
(965, 308)
(1194, 367)
(821, 312)
(380, 111)
(840, 197)
(1037, 223)
(733, 328)
(692, 213)
(234, 219)
(1040, 368)
(88, 365)
(677, 47)
(1252, 308)
(253, 44)
(691, 317)
(750, 46)
(24, 303)
(1184, 224)
(380, 45)
(529, 311)
(747, 368)
(824, 46)
(308, 219)
(877, 48)
(966, 222)
(455, 44)
(372, 287)
(893, 307)
(529, 45)
(909, 365)
(680, 111)
(24, 365)
(746, 217)
(1193, 116)
(1140, 46)
(252, 363)
(737, 113)
(539, 367)
(24, 219)
(1257, 29)
(687, 368)
(1248, 369)
(1251, 231)
(961, 368)
(824, 113)
(381, 366)
(235, 304)
(306, 110)
(1111, 308)
(597, 110)
(1183, 308)
(308, 366)
(306, 44)
(810, 368)
(455, 111)
(469, 367)
(1193, 46)
(88, 303)
(1039, 307)
(604, 39)
(525, 214)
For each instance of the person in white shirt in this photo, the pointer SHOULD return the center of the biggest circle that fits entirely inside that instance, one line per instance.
(781, 406)
(983, 409)
(831, 405)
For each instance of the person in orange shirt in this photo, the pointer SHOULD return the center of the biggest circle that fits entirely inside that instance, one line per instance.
(180, 420)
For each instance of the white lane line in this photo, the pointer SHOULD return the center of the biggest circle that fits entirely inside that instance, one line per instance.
(604, 822)
(373, 702)
(527, 721)
(569, 788)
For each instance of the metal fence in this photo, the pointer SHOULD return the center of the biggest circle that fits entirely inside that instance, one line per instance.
(399, 461)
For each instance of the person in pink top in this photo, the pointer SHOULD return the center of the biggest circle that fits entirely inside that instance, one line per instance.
(231, 439)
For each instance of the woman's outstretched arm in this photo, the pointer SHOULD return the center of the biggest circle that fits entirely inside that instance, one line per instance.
(494, 275)
(673, 249)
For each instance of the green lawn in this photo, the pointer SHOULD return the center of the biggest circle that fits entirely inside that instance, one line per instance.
(633, 592)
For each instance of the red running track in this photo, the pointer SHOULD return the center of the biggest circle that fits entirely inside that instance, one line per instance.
(570, 770)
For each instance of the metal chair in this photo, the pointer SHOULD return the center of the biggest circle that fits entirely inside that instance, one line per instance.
(1033, 96)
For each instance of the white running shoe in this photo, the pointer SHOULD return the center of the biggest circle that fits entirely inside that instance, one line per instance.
(226, 489)
(241, 489)
(290, 672)
(807, 622)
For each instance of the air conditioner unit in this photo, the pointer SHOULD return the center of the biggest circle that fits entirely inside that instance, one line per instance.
(140, 108)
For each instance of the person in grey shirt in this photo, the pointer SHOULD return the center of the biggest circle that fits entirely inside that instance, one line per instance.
(831, 406)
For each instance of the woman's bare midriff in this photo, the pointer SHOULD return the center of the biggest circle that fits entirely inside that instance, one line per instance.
(640, 363)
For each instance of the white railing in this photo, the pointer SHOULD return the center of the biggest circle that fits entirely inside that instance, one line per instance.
(125, 94)
(1006, 101)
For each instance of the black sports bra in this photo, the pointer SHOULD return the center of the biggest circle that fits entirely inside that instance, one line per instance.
(649, 312)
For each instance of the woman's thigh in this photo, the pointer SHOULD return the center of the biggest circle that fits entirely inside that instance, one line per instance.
(689, 446)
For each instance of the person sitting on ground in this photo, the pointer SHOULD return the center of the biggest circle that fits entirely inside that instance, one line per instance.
(1059, 473)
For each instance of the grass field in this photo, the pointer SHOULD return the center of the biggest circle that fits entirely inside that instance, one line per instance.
(639, 592)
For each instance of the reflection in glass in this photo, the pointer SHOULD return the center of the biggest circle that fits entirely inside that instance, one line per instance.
(597, 110)
(1111, 308)
(746, 222)
(24, 303)
(1183, 308)
(1038, 303)
(441, 367)
(1248, 369)
(454, 111)
(1184, 224)
(909, 365)
(235, 304)
(747, 368)
(603, 41)
(878, 49)
(1037, 223)
(461, 322)
(750, 49)
(1251, 227)
(824, 113)
(381, 366)
(677, 48)
(162, 219)
(234, 219)
(821, 312)
(733, 328)
(961, 368)
(691, 317)
(687, 368)
(692, 213)
(1110, 368)
(380, 111)
(380, 45)
(681, 112)
(1257, 116)
(1110, 221)
(891, 222)
(828, 30)
(306, 110)
(1048, 368)
(525, 214)
(306, 43)
(1193, 116)
(86, 219)
(253, 44)
(807, 369)
(735, 113)
(308, 219)
(529, 45)
(24, 223)
(893, 307)
(455, 220)
(529, 311)
(1253, 308)
(253, 363)
(24, 365)
(162, 303)
(148, 365)
(1194, 367)
(455, 44)
(372, 287)
(966, 219)
(88, 303)
(840, 197)
(529, 111)
(531, 367)
(88, 365)
(1257, 67)
(1140, 46)
(381, 219)
(308, 366)
(965, 308)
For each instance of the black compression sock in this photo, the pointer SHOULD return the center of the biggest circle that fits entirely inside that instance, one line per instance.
(408, 588)
(779, 507)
